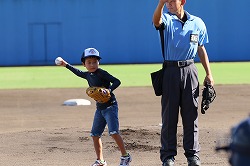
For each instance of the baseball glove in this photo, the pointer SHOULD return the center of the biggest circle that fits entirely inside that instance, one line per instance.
(99, 94)
(208, 96)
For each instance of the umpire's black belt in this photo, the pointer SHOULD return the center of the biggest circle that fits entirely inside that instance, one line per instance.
(178, 63)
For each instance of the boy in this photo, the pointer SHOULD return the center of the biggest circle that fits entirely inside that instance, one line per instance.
(106, 113)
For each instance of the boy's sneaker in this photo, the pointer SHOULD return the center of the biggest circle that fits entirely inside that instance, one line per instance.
(100, 163)
(125, 160)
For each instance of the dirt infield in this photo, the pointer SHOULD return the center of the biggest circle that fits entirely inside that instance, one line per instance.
(37, 130)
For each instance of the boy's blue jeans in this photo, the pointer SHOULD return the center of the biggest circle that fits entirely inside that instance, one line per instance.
(108, 116)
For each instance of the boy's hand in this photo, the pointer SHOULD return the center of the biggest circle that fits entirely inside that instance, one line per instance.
(60, 62)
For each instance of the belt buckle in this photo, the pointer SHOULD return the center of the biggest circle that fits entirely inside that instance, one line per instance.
(181, 63)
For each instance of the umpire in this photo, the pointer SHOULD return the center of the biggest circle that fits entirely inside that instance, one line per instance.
(185, 36)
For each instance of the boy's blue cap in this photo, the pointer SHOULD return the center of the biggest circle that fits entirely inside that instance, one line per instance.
(90, 52)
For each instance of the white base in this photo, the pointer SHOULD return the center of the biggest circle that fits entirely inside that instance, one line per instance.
(75, 102)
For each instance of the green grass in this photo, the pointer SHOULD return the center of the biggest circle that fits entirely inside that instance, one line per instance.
(130, 75)
(230, 73)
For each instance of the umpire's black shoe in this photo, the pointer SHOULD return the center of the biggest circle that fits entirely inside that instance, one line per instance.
(169, 161)
(194, 161)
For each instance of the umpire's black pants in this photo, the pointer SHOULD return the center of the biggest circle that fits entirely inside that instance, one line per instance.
(180, 94)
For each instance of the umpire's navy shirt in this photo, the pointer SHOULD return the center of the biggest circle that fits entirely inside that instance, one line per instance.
(99, 78)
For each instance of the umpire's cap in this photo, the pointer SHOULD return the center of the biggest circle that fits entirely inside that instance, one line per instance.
(90, 52)
(239, 145)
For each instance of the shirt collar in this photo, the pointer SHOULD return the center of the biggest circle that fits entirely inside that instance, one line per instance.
(189, 16)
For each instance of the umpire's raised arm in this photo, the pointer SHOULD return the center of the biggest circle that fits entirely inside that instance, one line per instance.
(158, 13)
